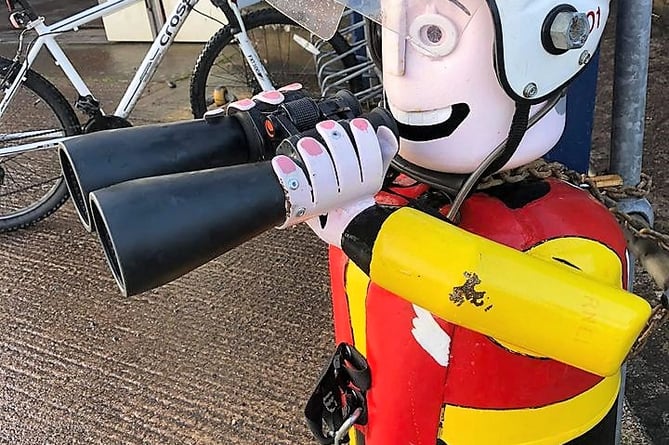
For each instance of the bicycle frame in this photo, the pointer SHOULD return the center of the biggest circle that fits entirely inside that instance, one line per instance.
(145, 72)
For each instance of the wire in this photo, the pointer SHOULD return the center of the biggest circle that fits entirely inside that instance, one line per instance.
(209, 17)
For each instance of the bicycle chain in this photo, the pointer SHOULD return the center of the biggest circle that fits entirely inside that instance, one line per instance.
(609, 195)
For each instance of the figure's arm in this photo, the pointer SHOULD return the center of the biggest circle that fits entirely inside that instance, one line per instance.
(541, 306)
(538, 305)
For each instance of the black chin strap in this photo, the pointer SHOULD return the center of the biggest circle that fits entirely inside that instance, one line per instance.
(496, 159)
(519, 124)
(454, 184)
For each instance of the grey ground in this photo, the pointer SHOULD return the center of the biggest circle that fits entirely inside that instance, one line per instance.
(226, 354)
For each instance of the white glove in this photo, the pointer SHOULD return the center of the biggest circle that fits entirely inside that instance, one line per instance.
(339, 179)
(272, 98)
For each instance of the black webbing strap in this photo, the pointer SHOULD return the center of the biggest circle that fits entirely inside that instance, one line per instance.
(518, 129)
(340, 391)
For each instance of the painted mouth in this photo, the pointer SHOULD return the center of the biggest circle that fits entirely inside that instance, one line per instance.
(410, 130)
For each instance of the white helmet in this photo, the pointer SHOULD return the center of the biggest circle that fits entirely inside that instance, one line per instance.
(464, 77)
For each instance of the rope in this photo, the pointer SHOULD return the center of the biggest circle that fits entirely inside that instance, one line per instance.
(609, 190)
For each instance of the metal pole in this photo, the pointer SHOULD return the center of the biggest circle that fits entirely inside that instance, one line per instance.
(629, 88)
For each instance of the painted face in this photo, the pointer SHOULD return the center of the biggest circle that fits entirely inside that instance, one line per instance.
(442, 87)
(454, 69)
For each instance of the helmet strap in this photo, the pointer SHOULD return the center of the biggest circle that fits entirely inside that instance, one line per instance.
(519, 125)
(496, 160)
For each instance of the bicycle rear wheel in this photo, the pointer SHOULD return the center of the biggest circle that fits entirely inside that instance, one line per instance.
(31, 183)
(276, 38)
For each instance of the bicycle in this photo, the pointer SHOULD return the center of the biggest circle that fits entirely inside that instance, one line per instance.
(31, 183)
(213, 83)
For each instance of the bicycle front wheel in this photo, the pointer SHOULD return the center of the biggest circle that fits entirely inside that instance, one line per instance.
(31, 183)
(221, 68)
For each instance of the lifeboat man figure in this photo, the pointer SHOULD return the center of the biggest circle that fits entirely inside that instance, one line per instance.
(474, 323)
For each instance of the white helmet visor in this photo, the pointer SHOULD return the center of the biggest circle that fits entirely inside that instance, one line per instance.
(320, 17)
(435, 37)
(529, 66)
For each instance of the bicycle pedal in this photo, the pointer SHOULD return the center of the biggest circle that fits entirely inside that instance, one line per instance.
(222, 96)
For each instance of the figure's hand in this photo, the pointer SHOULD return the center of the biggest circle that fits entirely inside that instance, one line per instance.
(265, 100)
(339, 179)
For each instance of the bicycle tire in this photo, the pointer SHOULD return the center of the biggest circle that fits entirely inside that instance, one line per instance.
(223, 39)
(52, 102)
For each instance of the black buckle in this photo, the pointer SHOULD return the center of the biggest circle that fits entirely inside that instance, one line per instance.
(338, 401)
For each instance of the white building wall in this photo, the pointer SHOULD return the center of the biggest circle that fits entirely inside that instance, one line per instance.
(129, 25)
(133, 24)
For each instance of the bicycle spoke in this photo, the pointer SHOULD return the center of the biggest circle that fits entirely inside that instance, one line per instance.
(234, 73)
(31, 186)
(23, 166)
(228, 62)
(240, 76)
(3, 161)
(230, 73)
(10, 176)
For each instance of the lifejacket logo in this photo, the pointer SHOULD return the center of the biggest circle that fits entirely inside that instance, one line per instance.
(175, 21)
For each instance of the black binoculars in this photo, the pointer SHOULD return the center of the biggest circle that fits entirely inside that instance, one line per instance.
(166, 199)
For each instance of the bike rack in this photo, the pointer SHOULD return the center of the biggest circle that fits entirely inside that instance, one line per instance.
(331, 78)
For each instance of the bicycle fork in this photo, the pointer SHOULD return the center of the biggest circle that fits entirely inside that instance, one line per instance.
(249, 51)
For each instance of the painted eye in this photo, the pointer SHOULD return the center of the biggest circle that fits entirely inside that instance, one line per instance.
(434, 35)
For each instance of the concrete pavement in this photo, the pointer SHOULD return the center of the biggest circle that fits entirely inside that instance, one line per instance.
(226, 354)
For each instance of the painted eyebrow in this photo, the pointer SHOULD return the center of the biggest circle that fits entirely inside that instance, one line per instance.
(461, 6)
